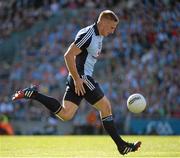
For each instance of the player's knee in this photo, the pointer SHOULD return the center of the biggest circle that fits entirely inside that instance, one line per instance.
(107, 108)
(65, 115)
(104, 107)
(67, 112)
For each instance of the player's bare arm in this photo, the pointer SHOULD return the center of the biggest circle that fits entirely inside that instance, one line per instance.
(69, 57)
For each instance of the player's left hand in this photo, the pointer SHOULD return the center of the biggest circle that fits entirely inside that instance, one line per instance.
(79, 87)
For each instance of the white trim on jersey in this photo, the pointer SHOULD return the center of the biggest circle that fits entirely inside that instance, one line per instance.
(85, 38)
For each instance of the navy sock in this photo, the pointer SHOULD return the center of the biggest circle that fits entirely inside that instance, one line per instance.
(108, 124)
(51, 103)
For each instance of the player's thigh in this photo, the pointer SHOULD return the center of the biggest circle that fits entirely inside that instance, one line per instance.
(68, 110)
(70, 104)
(93, 91)
(104, 106)
(70, 94)
(95, 96)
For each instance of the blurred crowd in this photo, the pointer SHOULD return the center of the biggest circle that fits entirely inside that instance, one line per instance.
(141, 57)
(18, 15)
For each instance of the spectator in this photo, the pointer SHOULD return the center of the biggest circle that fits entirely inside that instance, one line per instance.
(5, 127)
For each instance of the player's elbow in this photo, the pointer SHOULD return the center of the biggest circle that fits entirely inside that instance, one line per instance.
(66, 55)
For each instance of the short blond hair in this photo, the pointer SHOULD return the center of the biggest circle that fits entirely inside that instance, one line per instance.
(108, 14)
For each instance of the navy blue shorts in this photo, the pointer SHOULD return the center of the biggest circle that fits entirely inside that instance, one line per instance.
(93, 91)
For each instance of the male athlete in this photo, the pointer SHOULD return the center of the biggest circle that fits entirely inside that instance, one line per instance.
(80, 59)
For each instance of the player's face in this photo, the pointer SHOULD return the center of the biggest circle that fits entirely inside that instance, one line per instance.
(109, 27)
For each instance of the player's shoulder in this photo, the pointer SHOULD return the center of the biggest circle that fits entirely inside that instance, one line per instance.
(88, 29)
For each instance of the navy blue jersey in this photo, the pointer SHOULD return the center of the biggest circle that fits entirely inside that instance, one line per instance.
(90, 43)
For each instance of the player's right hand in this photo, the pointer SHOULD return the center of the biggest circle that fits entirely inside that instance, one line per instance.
(79, 87)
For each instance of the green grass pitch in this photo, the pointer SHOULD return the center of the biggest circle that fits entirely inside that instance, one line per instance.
(86, 146)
